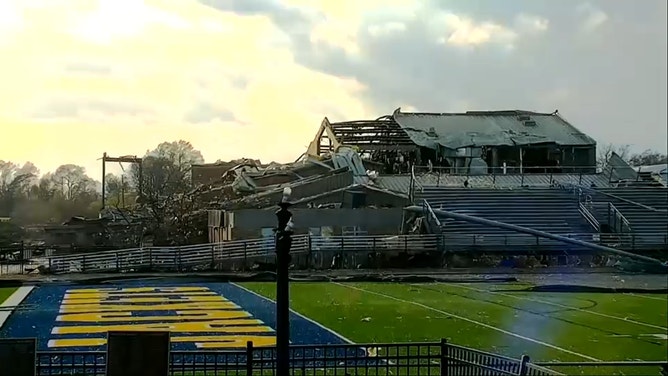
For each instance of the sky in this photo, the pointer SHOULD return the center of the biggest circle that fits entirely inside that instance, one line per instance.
(254, 78)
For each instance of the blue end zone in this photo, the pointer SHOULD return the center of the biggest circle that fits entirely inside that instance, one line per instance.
(36, 316)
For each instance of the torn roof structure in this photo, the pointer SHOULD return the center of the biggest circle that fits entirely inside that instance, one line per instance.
(476, 142)
(408, 131)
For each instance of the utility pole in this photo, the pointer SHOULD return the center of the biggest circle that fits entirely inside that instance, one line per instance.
(283, 243)
(125, 159)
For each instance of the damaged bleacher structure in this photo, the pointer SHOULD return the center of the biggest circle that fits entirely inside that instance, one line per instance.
(522, 169)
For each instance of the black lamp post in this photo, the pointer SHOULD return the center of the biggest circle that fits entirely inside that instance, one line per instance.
(283, 244)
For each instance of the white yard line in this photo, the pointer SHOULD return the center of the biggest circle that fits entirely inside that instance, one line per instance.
(319, 325)
(472, 322)
(13, 301)
(663, 328)
(646, 297)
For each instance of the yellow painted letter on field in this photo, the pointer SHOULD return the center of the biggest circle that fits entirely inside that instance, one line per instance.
(218, 326)
(128, 317)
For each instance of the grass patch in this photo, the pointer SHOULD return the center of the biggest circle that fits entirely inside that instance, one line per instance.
(6, 292)
(546, 326)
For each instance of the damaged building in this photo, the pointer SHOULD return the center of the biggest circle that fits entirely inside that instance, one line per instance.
(114, 229)
(372, 164)
(474, 142)
(333, 183)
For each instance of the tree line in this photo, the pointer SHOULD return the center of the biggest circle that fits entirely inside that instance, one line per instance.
(28, 198)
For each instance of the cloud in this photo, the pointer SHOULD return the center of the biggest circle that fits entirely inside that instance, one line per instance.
(463, 31)
(11, 21)
(385, 29)
(91, 109)
(529, 23)
(84, 67)
(592, 16)
(205, 112)
(113, 20)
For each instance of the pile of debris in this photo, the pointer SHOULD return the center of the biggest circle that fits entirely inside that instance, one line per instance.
(321, 181)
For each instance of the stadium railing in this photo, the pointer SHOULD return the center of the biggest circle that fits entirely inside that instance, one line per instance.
(207, 256)
(428, 358)
(535, 175)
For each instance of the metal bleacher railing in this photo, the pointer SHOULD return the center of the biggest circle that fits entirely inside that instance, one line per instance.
(632, 224)
(514, 175)
(428, 358)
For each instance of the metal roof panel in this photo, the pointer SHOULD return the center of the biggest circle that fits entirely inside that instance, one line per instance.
(457, 130)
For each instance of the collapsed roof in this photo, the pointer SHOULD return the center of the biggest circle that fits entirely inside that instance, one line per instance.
(406, 130)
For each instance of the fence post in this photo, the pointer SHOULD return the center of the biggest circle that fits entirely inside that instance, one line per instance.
(445, 357)
(213, 255)
(524, 368)
(118, 266)
(21, 354)
(249, 358)
(150, 258)
(309, 254)
(246, 253)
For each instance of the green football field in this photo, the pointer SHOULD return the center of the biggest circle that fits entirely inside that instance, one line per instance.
(500, 318)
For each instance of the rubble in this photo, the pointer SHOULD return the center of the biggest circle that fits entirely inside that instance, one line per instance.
(252, 185)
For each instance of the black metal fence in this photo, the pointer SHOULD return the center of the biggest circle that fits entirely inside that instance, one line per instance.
(432, 358)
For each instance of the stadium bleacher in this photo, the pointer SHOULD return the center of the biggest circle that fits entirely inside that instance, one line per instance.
(555, 211)
(646, 210)
(550, 210)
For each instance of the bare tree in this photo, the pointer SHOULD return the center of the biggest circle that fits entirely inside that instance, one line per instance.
(166, 181)
(15, 182)
(73, 181)
(606, 151)
(648, 158)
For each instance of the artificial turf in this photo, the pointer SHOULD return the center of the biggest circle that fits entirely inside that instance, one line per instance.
(497, 318)
(6, 292)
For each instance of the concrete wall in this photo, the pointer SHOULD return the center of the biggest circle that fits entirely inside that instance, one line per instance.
(248, 223)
